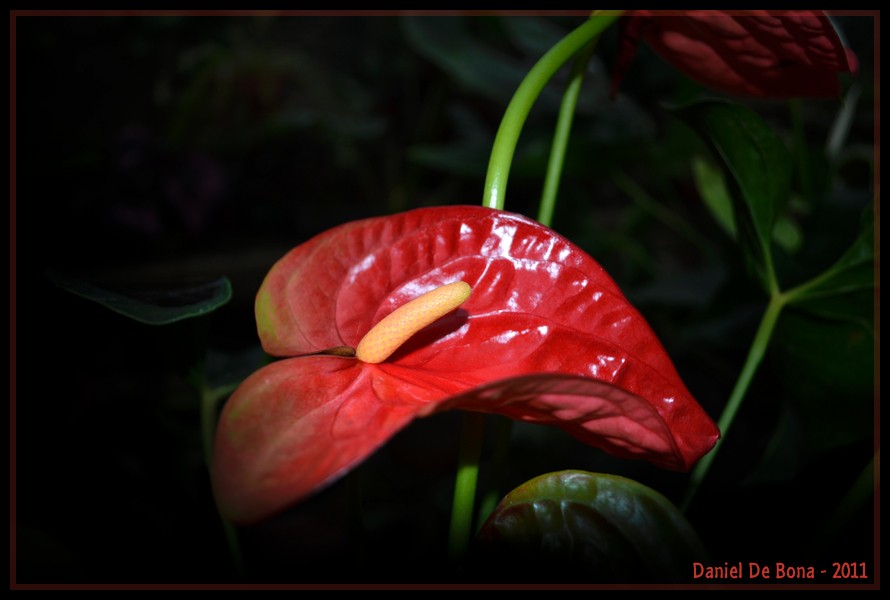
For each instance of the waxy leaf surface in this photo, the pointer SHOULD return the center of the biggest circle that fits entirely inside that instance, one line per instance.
(575, 525)
(545, 336)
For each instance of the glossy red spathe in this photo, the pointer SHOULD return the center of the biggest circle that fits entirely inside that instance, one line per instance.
(756, 53)
(545, 336)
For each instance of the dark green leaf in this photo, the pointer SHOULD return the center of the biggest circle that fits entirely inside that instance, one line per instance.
(828, 366)
(759, 169)
(464, 158)
(782, 458)
(854, 306)
(787, 234)
(689, 288)
(477, 66)
(533, 34)
(853, 272)
(824, 344)
(476, 59)
(152, 306)
(712, 189)
(587, 526)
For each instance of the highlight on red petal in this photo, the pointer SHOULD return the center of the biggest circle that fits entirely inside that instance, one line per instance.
(545, 337)
(771, 54)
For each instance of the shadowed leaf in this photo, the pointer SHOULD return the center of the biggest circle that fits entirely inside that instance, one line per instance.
(584, 526)
(759, 168)
(152, 306)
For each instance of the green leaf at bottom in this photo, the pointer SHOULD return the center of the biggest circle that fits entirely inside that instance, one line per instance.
(575, 525)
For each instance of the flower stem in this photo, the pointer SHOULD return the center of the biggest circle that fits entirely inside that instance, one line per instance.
(492, 496)
(494, 194)
(755, 357)
(210, 398)
(561, 135)
(465, 484)
(514, 117)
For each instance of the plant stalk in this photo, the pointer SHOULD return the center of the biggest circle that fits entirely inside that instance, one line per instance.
(561, 136)
(465, 485)
(520, 105)
(755, 357)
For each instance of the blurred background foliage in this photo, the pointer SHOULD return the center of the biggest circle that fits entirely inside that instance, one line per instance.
(158, 152)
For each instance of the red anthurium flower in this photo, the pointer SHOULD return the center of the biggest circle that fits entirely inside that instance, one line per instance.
(545, 336)
(746, 53)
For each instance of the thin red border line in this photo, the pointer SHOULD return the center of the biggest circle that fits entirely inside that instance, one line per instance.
(445, 586)
(393, 13)
(296, 13)
(12, 304)
(12, 307)
(877, 307)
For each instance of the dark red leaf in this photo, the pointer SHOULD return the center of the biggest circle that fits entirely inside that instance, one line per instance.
(546, 336)
(745, 53)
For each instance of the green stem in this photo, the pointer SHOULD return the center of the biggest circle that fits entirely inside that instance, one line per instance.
(548, 201)
(755, 357)
(802, 291)
(495, 191)
(514, 117)
(210, 398)
(234, 546)
(561, 136)
(465, 485)
(772, 282)
(498, 467)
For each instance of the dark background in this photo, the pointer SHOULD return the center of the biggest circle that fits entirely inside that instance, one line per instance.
(160, 152)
